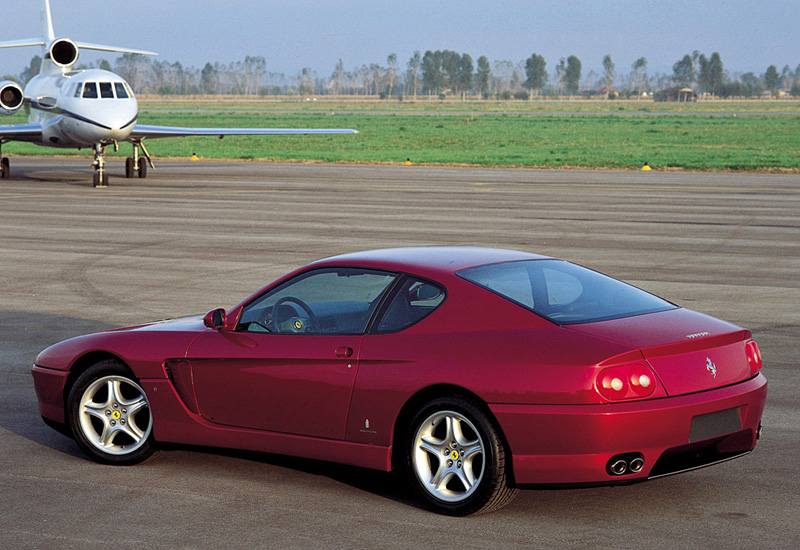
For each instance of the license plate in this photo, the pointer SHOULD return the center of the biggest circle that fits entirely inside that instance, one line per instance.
(710, 425)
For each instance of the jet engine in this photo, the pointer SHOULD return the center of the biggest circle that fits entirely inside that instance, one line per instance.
(63, 52)
(11, 97)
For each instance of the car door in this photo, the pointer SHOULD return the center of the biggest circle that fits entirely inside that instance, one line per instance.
(291, 363)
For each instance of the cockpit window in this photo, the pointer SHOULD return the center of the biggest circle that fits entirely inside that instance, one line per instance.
(78, 88)
(106, 91)
(90, 90)
(120, 88)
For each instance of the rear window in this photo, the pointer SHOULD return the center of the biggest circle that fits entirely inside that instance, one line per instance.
(565, 293)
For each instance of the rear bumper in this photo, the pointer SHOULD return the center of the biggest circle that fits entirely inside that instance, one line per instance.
(574, 443)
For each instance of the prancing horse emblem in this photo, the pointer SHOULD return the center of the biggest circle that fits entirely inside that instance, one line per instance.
(711, 367)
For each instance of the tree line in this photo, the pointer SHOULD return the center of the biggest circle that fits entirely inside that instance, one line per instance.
(446, 73)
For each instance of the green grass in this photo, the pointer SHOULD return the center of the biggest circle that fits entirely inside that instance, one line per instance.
(769, 141)
(426, 104)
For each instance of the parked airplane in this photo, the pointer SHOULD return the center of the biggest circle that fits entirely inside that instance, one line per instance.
(92, 108)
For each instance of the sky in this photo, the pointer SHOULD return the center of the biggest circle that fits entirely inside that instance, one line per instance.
(292, 34)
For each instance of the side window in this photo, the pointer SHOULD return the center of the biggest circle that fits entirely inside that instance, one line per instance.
(322, 301)
(90, 90)
(78, 88)
(414, 300)
(106, 91)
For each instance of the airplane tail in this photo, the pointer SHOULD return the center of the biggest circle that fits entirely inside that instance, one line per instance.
(48, 34)
(60, 54)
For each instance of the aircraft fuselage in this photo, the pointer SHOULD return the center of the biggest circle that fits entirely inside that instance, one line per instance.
(81, 108)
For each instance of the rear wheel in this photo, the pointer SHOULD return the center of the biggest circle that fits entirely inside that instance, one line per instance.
(142, 169)
(109, 415)
(5, 168)
(456, 459)
(129, 171)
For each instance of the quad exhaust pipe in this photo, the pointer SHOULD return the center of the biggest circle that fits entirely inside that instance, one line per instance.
(628, 463)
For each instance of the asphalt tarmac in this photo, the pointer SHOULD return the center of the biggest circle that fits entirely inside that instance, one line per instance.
(194, 236)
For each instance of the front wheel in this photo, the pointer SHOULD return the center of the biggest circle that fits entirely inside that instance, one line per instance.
(456, 459)
(109, 415)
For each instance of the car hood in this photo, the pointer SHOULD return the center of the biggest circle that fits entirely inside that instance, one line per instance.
(689, 351)
(143, 347)
(182, 324)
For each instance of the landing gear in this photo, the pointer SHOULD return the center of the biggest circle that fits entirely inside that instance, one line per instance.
(100, 175)
(135, 165)
(5, 171)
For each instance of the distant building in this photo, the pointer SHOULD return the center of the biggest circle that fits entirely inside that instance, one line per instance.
(675, 94)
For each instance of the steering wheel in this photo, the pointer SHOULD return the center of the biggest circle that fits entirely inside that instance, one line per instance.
(298, 323)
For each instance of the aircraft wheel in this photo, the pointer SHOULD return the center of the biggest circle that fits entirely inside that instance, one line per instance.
(142, 169)
(129, 167)
(5, 168)
(100, 182)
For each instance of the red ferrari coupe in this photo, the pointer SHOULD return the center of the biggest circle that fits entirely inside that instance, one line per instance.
(475, 371)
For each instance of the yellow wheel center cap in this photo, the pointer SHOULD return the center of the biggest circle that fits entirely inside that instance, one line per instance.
(298, 324)
(454, 454)
(115, 415)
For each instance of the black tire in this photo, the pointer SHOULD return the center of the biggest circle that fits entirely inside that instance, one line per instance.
(96, 179)
(129, 171)
(5, 168)
(471, 478)
(142, 168)
(109, 415)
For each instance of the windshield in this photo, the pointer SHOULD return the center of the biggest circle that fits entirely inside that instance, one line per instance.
(564, 293)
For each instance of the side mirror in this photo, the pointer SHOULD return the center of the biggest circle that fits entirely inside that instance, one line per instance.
(215, 318)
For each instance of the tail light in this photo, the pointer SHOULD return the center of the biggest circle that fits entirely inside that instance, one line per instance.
(626, 382)
(753, 355)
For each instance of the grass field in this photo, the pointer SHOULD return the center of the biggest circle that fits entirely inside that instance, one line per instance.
(710, 135)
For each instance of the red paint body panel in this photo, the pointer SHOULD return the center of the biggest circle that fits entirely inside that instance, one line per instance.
(510, 366)
(289, 383)
(175, 423)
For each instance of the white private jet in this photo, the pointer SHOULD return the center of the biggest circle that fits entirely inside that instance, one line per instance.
(92, 108)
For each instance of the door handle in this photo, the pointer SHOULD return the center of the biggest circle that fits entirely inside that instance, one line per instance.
(344, 352)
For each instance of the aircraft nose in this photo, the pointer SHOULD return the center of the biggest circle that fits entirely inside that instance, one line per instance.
(122, 122)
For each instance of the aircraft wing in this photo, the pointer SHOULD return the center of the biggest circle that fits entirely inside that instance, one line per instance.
(21, 132)
(102, 48)
(142, 131)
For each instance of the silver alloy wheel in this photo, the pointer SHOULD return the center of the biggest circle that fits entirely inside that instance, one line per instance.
(114, 415)
(448, 456)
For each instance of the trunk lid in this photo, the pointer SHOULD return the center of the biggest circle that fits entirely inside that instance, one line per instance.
(689, 351)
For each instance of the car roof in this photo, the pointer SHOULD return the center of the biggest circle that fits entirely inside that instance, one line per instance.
(424, 259)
